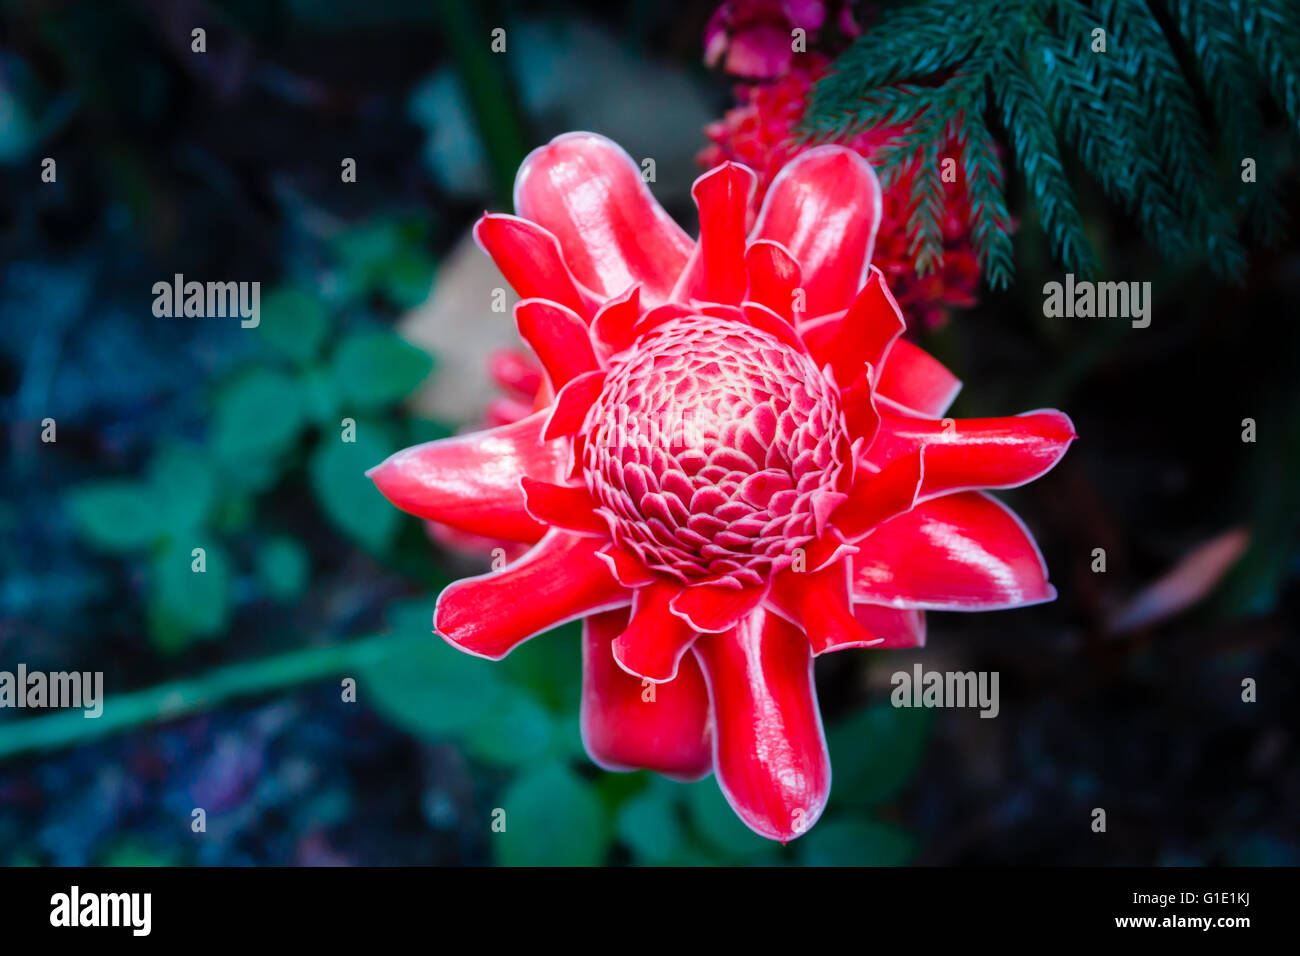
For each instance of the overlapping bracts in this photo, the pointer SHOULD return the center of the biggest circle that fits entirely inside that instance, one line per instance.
(732, 464)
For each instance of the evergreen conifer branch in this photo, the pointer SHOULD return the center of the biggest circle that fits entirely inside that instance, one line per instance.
(958, 74)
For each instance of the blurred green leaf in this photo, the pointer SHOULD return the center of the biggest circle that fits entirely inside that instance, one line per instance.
(284, 567)
(348, 498)
(856, 843)
(293, 323)
(378, 368)
(115, 515)
(649, 825)
(553, 818)
(717, 824)
(184, 487)
(517, 730)
(184, 602)
(429, 688)
(387, 256)
(550, 666)
(876, 752)
(257, 416)
(320, 396)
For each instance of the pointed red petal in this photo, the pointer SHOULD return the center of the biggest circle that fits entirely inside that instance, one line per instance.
(716, 271)
(558, 336)
(818, 603)
(878, 496)
(962, 552)
(862, 335)
(611, 329)
(589, 193)
(899, 627)
(824, 207)
(711, 609)
(963, 453)
(629, 723)
(563, 506)
(859, 405)
(763, 318)
(471, 482)
(769, 750)
(558, 580)
(653, 644)
(529, 258)
(774, 275)
(514, 370)
(572, 404)
(917, 381)
(628, 569)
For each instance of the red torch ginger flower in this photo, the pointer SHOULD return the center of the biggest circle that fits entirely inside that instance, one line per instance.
(736, 465)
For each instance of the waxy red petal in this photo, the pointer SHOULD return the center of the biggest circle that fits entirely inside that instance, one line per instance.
(711, 609)
(628, 569)
(589, 193)
(563, 506)
(529, 257)
(774, 275)
(514, 370)
(471, 482)
(966, 453)
(558, 580)
(572, 404)
(655, 640)
(716, 271)
(769, 750)
(824, 207)
(962, 552)
(862, 336)
(559, 337)
(629, 723)
(914, 379)
(899, 627)
(879, 496)
(611, 329)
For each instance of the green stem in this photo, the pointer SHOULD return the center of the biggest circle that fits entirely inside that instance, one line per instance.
(179, 698)
(486, 85)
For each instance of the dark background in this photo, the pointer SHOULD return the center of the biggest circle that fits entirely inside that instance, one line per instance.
(226, 166)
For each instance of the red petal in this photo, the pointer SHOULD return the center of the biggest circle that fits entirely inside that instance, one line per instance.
(859, 403)
(611, 329)
(769, 751)
(590, 194)
(559, 337)
(710, 608)
(764, 319)
(514, 370)
(900, 627)
(628, 723)
(558, 580)
(628, 569)
(774, 274)
(862, 336)
(653, 644)
(564, 506)
(824, 207)
(962, 552)
(819, 604)
(716, 271)
(471, 482)
(876, 497)
(963, 453)
(529, 258)
(914, 379)
(572, 404)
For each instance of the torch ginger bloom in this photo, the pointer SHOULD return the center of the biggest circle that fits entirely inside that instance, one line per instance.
(735, 465)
